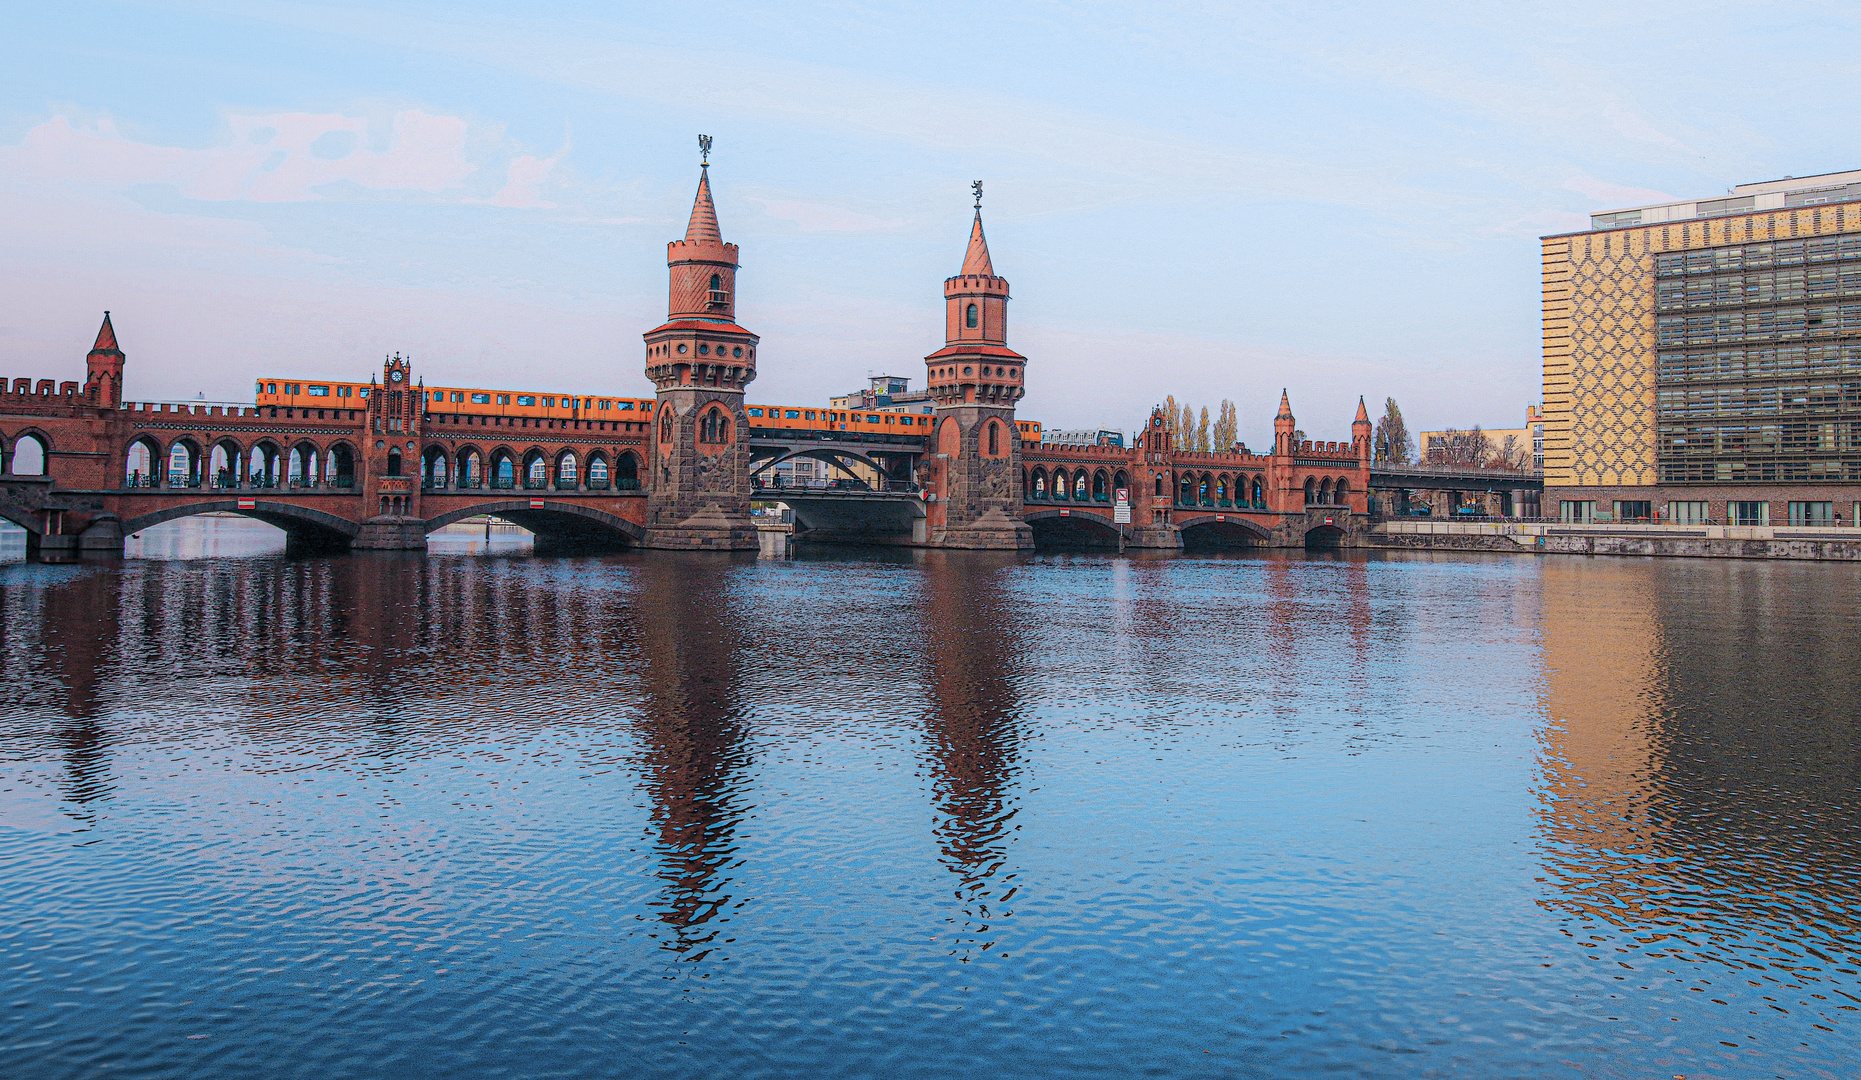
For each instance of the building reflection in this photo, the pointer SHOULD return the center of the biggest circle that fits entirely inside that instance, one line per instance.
(693, 756)
(1700, 766)
(79, 629)
(973, 732)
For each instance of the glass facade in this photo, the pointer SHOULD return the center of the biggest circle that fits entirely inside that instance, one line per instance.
(1759, 362)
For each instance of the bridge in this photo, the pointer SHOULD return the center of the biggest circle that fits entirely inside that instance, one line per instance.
(1504, 492)
(81, 467)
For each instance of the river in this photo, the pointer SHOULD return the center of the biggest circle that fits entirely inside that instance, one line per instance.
(916, 814)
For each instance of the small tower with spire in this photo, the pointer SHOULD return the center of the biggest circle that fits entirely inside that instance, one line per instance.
(700, 360)
(972, 475)
(1284, 426)
(1363, 434)
(103, 369)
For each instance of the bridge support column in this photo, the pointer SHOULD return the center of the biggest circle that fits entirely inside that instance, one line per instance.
(1164, 537)
(104, 533)
(388, 532)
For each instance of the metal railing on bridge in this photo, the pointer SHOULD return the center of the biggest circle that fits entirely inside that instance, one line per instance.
(778, 486)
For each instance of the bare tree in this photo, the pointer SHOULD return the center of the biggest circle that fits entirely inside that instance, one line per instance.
(1201, 432)
(1392, 435)
(1227, 430)
(1469, 448)
(1170, 419)
(1186, 441)
(1513, 453)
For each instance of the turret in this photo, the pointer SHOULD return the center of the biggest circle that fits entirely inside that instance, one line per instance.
(1284, 426)
(700, 343)
(103, 366)
(976, 366)
(1362, 434)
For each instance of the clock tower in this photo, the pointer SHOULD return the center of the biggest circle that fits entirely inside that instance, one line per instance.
(390, 461)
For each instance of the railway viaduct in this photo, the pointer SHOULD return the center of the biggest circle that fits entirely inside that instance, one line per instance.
(81, 468)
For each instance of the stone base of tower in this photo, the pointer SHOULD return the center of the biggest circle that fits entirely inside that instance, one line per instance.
(1157, 537)
(993, 531)
(710, 529)
(390, 532)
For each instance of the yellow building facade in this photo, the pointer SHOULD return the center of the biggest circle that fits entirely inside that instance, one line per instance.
(1702, 359)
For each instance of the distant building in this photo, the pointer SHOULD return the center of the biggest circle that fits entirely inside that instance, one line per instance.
(1083, 437)
(1700, 358)
(1434, 443)
(885, 393)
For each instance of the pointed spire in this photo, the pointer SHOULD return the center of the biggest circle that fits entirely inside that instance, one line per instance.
(1285, 407)
(703, 224)
(976, 259)
(106, 337)
(1363, 414)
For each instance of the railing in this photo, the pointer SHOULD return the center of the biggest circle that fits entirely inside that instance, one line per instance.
(626, 483)
(177, 480)
(535, 483)
(343, 482)
(503, 483)
(598, 485)
(470, 482)
(432, 483)
(1435, 469)
(836, 487)
(567, 484)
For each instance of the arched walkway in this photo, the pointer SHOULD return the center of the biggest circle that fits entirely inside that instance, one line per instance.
(1324, 538)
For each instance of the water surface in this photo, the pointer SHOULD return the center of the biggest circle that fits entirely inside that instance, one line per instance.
(927, 815)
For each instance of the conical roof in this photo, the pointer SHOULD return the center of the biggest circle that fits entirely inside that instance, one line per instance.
(1363, 414)
(106, 337)
(976, 259)
(703, 224)
(1285, 406)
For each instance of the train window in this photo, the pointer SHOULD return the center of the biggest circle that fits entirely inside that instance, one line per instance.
(319, 391)
(274, 388)
(522, 399)
(458, 395)
(646, 406)
(503, 399)
(795, 414)
(361, 391)
(607, 404)
(810, 415)
(481, 399)
(755, 412)
(872, 418)
(888, 419)
(548, 402)
(625, 405)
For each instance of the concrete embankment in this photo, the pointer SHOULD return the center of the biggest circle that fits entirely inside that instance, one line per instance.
(1683, 541)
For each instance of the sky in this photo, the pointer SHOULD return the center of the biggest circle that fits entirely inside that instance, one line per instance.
(1206, 200)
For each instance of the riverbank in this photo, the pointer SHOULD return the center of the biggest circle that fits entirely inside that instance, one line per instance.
(1818, 543)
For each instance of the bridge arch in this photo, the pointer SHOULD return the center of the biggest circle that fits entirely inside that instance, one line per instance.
(1074, 529)
(1231, 531)
(1324, 538)
(300, 523)
(37, 446)
(563, 521)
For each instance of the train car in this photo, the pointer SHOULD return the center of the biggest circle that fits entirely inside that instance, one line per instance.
(469, 401)
(1030, 431)
(803, 418)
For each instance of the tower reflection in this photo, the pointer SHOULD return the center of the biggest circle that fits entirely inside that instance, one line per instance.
(693, 756)
(80, 637)
(974, 732)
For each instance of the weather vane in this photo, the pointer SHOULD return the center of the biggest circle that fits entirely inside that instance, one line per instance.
(977, 188)
(704, 149)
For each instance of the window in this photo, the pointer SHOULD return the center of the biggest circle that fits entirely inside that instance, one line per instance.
(481, 399)
(1812, 513)
(319, 391)
(755, 411)
(522, 399)
(872, 418)
(458, 396)
(1749, 513)
(361, 391)
(1580, 512)
(550, 403)
(994, 438)
(1633, 510)
(1687, 513)
(438, 395)
(969, 319)
(607, 404)
(810, 414)
(503, 399)
(342, 391)
(794, 414)
(274, 388)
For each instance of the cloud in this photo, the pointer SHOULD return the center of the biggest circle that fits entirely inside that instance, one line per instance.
(524, 178)
(278, 157)
(1612, 194)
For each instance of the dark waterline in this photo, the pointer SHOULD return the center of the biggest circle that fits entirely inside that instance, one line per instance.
(928, 815)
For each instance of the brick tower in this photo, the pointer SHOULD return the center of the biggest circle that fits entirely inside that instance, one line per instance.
(391, 462)
(103, 369)
(698, 482)
(972, 475)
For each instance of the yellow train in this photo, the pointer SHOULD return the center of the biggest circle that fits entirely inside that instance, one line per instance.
(308, 394)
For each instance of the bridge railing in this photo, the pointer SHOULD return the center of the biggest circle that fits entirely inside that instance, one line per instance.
(833, 487)
(1457, 471)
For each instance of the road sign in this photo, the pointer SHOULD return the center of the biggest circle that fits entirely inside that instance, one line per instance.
(536, 504)
(248, 504)
(1124, 495)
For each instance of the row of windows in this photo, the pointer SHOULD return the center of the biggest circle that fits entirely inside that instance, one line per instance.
(1696, 440)
(1767, 287)
(1763, 469)
(1774, 253)
(1699, 512)
(840, 417)
(312, 389)
(1735, 326)
(1749, 400)
(1761, 361)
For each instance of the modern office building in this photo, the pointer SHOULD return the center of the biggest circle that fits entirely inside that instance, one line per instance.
(1702, 359)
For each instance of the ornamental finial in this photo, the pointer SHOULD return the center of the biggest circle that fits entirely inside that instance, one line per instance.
(704, 151)
(976, 186)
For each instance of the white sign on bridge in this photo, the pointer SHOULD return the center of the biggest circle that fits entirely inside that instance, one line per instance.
(1121, 510)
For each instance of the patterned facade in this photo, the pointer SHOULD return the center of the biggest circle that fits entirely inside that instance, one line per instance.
(1704, 363)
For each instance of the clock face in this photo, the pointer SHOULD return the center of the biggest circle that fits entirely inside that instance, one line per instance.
(395, 375)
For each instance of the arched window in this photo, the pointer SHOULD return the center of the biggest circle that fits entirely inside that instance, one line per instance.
(1080, 487)
(717, 282)
(665, 426)
(1040, 484)
(28, 456)
(138, 470)
(1311, 490)
(970, 317)
(627, 470)
(1159, 484)
(394, 463)
(994, 438)
(1338, 492)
